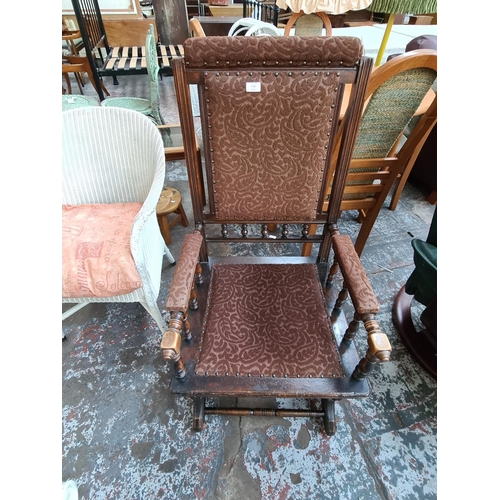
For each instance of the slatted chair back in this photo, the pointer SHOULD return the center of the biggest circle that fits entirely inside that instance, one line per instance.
(91, 26)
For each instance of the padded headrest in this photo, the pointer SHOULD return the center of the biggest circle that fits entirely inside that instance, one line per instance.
(221, 52)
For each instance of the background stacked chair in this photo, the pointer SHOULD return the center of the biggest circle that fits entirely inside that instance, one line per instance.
(149, 107)
(309, 24)
(395, 92)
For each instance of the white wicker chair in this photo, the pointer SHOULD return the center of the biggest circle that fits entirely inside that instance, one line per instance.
(115, 155)
(253, 27)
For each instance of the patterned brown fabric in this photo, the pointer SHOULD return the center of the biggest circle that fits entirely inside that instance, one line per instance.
(180, 289)
(354, 275)
(267, 320)
(290, 51)
(268, 148)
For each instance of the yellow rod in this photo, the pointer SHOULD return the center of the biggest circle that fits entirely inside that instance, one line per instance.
(387, 32)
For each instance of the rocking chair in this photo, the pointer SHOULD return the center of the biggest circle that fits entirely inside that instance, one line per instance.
(263, 326)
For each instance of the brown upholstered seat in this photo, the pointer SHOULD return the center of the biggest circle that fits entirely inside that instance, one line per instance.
(279, 308)
(259, 325)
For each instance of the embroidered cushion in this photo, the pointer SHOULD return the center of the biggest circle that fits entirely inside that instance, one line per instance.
(96, 258)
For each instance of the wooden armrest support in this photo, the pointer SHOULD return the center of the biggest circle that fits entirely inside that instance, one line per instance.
(354, 275)
(180, 289)
(171, 344)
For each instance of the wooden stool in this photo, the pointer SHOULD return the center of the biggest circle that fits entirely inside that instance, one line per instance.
(170, 202)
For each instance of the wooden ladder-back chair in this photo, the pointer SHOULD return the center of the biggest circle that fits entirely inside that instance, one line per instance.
(308, 24)
(257, 326)
(76, 65)
(394, 93)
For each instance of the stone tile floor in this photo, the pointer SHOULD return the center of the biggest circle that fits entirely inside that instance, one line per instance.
(124, 436)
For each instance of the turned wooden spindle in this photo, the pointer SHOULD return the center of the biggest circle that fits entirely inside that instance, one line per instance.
(171, 343)
(264, 231)
(186, 327)
(244, 230)
(337, 308)
(352, 329)
(198, 274)
(379, 348)
(193, 301)
(224, 230)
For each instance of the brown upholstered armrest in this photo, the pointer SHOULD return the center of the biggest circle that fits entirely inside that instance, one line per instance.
(354, 275)
(180, 289)
(365, 303)
(178, 301)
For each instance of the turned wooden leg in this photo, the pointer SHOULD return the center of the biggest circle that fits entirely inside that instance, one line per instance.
(352, 329)
(337, 308)
(329, 417)
(199, 414)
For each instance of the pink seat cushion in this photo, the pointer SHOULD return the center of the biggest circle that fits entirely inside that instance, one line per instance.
(96, 258)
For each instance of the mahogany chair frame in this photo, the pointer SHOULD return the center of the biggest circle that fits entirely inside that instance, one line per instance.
(373, 185)
(291, 59)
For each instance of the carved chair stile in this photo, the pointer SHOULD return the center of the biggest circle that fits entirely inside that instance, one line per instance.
(264, 326)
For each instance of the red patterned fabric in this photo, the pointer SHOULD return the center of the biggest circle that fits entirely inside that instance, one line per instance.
(266, 320)
(96, 258)
(268, 148)
(354, 275)
(230, 52)
(180, 289)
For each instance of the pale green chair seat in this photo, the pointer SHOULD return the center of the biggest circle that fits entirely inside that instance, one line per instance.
(135, 103)
(151, 107)
(72, 101)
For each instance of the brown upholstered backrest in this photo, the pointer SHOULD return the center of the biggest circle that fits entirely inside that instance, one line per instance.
(269, 112)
